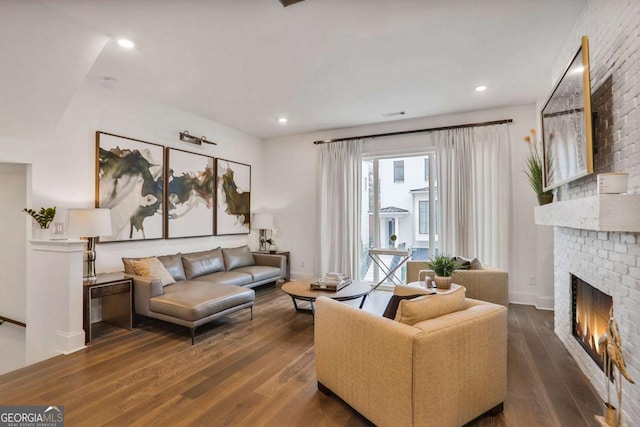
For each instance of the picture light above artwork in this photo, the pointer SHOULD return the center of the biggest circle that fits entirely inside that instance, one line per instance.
(186, 137)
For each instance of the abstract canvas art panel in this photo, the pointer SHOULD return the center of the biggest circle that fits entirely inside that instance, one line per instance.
(129, 181)
(233, 194)
(190, 194)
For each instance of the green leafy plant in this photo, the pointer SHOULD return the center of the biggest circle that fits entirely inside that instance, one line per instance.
(444, 265)
(393, 238)
(43, 217)
(533, 166)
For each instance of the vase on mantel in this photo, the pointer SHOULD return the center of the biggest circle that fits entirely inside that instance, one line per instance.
(543, 199)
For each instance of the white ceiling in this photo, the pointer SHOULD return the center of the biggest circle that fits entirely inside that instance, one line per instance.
(327, 63)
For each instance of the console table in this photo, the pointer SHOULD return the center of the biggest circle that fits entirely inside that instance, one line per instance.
(116, 291)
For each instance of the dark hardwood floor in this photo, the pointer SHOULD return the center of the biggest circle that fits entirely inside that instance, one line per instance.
(262, 373)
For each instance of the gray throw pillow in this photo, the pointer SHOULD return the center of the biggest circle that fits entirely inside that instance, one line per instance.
(201, 263)
(173, 264)
(237, 257)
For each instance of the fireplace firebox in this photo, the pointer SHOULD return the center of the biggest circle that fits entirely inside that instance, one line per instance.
(590, 315)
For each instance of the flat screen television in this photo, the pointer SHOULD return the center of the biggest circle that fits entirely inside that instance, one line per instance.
(567, 144)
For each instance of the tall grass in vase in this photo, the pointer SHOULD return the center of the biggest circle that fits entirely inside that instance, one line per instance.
(534, 170)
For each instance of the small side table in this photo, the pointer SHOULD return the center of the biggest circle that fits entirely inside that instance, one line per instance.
(389, 271)
(116, 291)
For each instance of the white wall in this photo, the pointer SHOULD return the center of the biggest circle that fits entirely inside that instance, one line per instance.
(63, 166)
(291, 191)
(13, 262)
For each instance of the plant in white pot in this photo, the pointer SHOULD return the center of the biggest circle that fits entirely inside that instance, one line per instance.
(43, 217)
(443, 266)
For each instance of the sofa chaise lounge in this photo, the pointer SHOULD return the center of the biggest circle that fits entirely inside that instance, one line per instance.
(195, 288)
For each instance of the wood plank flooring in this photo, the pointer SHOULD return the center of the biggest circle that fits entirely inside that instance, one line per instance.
(262, 373)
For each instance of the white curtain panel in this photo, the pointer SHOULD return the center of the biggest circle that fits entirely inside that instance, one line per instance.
(474, 190)
(339, 194)
(455, 191)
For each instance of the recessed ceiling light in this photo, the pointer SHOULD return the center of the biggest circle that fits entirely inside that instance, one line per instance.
(127, 44)
(481, 88)
(282, 120)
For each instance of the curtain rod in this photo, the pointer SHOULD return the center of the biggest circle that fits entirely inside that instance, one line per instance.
(407, 132)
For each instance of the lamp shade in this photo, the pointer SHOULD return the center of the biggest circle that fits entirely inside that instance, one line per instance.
(262, 221)
(89, 222)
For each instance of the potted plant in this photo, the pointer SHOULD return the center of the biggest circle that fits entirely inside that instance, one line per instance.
(534, 170)
(43, 217)
(443, 266)
(393, 239)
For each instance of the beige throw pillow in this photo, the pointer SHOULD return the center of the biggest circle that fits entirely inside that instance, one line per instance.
(403, 290)
(153, 268)
(427, 307)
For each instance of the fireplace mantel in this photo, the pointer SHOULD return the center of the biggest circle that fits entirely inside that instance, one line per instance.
(604, 212)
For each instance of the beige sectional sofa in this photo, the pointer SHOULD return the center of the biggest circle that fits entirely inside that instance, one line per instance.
(444, 371)
(202, 286)
(482, 282)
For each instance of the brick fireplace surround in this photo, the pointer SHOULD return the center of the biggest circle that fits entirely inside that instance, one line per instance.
(608, 260)
(600, 252)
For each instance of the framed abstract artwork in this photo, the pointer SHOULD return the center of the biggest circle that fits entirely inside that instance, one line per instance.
(233, 206)
(129, 181)
(190, 194)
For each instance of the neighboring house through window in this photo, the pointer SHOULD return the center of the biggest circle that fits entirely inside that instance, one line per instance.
(398, 171)
(423, 217)
(426, 169)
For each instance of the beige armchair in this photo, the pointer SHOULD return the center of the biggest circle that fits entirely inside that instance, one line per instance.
(486, 284)
(440, 372)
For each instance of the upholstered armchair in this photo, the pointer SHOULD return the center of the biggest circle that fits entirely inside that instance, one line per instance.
(444, 371)
(483, 282)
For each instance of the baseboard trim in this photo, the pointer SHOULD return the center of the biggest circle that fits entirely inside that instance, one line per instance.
(69, 342)
(545, 303)
(522, 298)
(9, 320)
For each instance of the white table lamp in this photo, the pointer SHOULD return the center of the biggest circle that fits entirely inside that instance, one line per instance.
(89, 224)
(262, 222)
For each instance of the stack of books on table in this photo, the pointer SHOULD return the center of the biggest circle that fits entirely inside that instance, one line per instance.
(331, 282)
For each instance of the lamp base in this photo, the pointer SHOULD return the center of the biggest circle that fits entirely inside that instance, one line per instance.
(91, 258)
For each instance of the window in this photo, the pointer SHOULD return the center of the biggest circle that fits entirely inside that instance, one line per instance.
(426, 169)
(396, 199)
(398, 171)
(423, 216)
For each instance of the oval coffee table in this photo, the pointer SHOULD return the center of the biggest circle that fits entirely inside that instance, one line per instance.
(300, 291)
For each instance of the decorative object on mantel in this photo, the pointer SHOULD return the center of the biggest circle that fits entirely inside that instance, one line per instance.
(610, 343)
(89, 224)
(43, 217)
(186, 137)
(612, 183)
(443, 266)
(534, 170)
